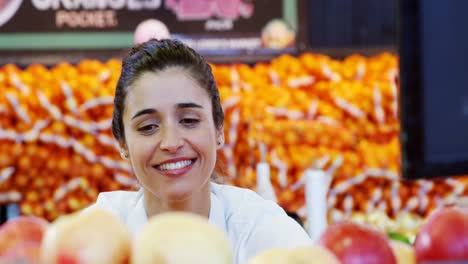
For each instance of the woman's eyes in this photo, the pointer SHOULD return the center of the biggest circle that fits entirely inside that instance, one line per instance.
(189, 121)
(147, 128)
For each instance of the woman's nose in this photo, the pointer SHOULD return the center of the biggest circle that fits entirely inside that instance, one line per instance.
(171, 140)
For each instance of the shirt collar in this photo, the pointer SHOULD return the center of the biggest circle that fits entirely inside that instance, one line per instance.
(217, 216)
(137, 217)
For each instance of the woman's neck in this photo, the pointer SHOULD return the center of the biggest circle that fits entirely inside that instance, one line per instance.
(198, 203)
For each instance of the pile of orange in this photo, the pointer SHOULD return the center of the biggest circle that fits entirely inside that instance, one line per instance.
(314, 108)
(56, 148)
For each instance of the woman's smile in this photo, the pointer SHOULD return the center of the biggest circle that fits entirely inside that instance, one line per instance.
(175, 167)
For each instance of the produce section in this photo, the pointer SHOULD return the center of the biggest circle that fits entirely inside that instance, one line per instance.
(85, 238)
(57, 152)
(351, 116)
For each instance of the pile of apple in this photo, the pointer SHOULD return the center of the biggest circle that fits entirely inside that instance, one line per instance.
(98, 236)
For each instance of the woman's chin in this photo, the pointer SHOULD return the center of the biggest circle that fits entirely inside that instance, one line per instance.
(169, 192)
(179, 192)
(178, 196)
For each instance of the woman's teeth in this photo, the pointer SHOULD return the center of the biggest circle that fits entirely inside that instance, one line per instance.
(175, 165)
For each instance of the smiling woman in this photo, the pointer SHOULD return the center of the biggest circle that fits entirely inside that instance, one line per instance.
(168, 121)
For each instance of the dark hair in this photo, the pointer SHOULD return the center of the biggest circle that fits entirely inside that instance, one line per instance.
(157, 55)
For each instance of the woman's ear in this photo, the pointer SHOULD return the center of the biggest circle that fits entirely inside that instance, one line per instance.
(123, 151)
(220, 138)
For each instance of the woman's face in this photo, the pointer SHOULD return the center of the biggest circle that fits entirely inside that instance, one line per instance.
(170, 133)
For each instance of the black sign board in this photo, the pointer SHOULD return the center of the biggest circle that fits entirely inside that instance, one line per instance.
(210, 26)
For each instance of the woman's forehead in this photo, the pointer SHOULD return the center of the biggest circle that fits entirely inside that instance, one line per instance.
(167, 87)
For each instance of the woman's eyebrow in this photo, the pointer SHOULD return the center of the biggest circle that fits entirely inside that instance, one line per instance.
(146, 111)
(189, 105)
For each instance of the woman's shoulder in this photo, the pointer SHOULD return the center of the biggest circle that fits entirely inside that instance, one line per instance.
(233, 194)
(241, 204)
(256, 224)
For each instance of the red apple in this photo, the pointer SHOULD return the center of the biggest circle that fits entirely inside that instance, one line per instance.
(444, 236)
(21, 230)
(28, 252)
(357, 244)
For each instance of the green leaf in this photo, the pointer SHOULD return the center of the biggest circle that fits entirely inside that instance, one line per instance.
(399, 237)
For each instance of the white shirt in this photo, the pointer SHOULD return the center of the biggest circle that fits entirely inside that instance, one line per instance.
(251, 223)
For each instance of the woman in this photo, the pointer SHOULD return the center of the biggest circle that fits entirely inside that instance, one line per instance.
(168, 121)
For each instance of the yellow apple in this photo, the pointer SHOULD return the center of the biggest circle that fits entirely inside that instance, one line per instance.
(180, 238)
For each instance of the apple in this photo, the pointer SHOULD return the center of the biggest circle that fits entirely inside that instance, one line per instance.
(271, 256)
(180, 238)
(444, 236)
(313, 255)
(27, 252)
(93, 237)
(357, 243)
(20, 231)
(302, 255)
